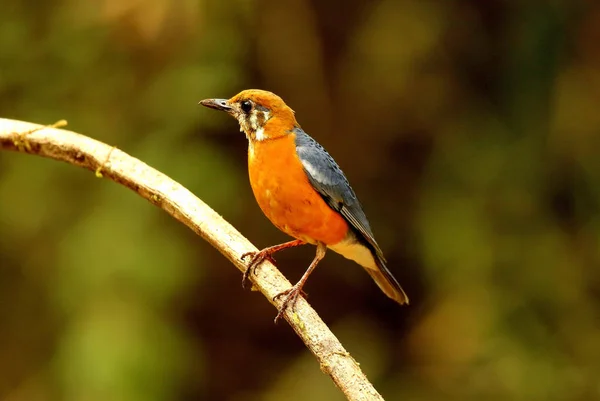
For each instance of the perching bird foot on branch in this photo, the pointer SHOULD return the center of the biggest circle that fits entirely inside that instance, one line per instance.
(303, 191)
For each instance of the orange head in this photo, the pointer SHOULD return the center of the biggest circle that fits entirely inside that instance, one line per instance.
(262, 115)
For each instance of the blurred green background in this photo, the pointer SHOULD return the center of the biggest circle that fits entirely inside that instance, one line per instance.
(468, 128)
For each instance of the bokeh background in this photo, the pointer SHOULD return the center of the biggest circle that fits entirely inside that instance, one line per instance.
(469, 129)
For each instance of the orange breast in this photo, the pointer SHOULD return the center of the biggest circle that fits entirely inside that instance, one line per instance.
(285, 195)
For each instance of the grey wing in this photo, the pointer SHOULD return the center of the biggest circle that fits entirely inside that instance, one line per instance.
(328, 179)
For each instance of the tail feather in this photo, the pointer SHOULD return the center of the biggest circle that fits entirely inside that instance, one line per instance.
(374, 264)
(387, 283)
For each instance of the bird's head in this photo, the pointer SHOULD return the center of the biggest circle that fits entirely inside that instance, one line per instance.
(262, 115)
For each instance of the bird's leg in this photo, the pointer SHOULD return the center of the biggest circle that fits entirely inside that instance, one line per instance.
(266, 254)
(291, 294)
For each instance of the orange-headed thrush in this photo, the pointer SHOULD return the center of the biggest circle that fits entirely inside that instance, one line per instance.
(302, 190)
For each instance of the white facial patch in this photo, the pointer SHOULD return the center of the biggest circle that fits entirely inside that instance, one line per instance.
(257, 122)
(253, 120)
(260, 134)
(253, 124)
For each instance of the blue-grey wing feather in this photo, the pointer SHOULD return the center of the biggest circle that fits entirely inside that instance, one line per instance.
(328, 179)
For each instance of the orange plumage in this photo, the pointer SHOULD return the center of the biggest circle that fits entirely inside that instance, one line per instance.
(302, 190)
(286, 197)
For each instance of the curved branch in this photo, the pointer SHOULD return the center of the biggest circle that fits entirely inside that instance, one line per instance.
(112, 163)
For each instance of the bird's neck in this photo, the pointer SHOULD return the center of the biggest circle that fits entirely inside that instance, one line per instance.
(266, 141)
(272, 129)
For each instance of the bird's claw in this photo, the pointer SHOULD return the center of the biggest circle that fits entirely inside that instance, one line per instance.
(256, 258)
(291, 296)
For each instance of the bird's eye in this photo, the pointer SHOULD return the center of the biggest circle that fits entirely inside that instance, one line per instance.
(246, 106)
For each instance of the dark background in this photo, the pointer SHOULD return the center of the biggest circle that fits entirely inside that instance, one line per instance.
(468, 128)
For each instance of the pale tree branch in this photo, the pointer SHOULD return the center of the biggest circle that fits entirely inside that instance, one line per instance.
(114, 164)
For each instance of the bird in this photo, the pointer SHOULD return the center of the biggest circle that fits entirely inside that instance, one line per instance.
(303, 192)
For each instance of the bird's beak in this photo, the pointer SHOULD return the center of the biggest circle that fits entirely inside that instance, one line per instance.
(217, 104)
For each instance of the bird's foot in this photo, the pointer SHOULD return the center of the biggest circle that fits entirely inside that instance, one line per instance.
(256, 258)
(291, 296)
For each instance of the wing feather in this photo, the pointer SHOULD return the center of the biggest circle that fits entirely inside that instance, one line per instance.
(328, 179)
(330, 182)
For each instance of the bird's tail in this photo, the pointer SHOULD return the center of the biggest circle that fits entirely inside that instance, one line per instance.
(388, 284)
